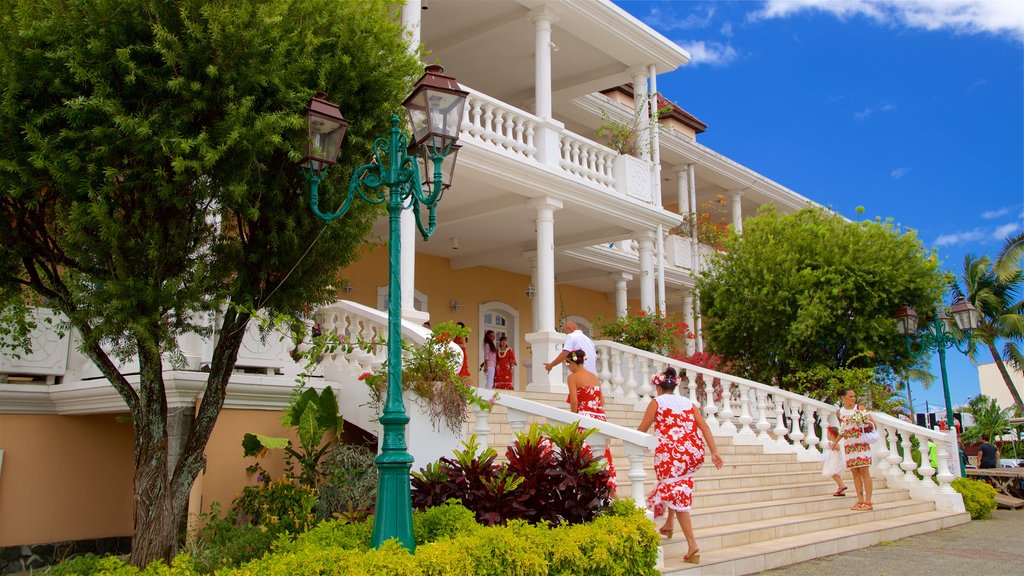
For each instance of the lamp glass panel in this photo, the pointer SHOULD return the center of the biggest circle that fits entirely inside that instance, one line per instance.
(325, 137)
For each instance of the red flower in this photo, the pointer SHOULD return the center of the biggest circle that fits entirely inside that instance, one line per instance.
(364, 375)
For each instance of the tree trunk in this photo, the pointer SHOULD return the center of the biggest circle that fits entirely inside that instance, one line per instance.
(162, 488)
(1006, 375)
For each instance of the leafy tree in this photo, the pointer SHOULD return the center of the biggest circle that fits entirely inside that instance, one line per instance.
(999, 314)
(148, 179)
(812, 289)
(989, 419)
(1009, 259)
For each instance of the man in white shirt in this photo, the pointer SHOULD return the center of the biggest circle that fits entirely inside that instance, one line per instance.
(575, 339)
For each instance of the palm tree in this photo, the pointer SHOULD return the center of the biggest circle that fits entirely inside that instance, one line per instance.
(1010, 256)
(999, 310)
(989, 419)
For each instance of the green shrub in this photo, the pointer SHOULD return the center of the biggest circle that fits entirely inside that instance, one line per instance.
(278, 506)
(223, 542)
(349, 489)
(979, 497)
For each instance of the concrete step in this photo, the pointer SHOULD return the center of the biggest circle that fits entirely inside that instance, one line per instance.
(711, 498)
(765, 555)
(756, 511)
(753, 531)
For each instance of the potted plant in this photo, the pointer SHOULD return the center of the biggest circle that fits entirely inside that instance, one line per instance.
(431, 372)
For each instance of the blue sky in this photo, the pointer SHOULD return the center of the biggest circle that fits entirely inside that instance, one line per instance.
(913, 110)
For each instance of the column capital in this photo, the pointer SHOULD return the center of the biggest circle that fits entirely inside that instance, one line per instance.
(646, 236)
(620, 276)
(546, 202)
(543, 14)
(634, 71)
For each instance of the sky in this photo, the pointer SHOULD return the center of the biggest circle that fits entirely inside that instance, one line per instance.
(913, 110)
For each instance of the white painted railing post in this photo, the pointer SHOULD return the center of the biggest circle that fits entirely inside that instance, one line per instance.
(947, 498)
(517, 420)
(725, 423)
(781, 445)
(632, 393)
(691, 385)
(810, 436)
(795, 433)
(894, 476)
(746, 435)
(482, 426)
(637, 475)
(879, 463)
(604, 374)
(709, 405)
(908, 465)
(762, 418)
(617, 379)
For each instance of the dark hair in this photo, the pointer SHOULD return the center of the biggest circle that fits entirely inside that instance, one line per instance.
(983, 438)
(460, 324)
(490, 343)
(668, 380)
(845, 390)
(576, 357)
(505, 338)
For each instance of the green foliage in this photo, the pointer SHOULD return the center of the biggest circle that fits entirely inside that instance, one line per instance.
(810, 289)
(281, 506)
(312, 415)
(225, 542)
(989, 419)
(652, 331)
(623, 136)
(827, 384)
(708, 223)
(979, 497)
(148, 181)
(349, 489)
(551, 475)
(431, 372)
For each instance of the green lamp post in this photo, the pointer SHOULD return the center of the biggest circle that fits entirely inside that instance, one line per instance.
(938, 335)
(435, 110)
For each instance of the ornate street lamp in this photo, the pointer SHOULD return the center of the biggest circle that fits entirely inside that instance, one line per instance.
(435, 113)
(938, 335)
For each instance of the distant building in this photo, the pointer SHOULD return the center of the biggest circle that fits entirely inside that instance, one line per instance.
(993, 385)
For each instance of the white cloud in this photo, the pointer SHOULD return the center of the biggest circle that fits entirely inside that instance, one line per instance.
(1005, 230)
(710, 53)
(998, 212)
(663, 21)
(997, 17)
(900, 172)
(960, 237)
(726, 29)
(870, 111)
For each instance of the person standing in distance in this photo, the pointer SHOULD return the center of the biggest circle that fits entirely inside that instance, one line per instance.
(988, 454)
(575, 339)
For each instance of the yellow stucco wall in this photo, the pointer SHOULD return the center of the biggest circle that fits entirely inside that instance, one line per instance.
(473, 287)
(64, 478)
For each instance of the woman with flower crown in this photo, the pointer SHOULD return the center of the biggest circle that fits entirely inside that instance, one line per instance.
(855, 423)
(585, 399)
(680, 452)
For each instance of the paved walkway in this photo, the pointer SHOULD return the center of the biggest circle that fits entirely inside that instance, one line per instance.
(993, 547)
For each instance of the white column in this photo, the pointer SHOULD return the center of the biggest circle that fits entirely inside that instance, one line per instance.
(640, 103)
(533, 301)
(683, 189)
(655, 124)
(688, 318)
(737, 211)
(646, 242)
(697, 332)
(411, 21)
(545, 342)
(661, 269)
(621, 292)
(542, 21)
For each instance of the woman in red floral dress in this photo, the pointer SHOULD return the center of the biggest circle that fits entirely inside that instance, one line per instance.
(503, 366)
(679, 454)
(464, 369)
(585, 399)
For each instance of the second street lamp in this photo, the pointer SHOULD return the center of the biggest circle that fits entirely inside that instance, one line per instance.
(938, 335)
(435, 110)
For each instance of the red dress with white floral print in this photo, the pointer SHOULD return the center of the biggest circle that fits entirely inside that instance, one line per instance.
(503, 370)
(588, 401)
(679, 454)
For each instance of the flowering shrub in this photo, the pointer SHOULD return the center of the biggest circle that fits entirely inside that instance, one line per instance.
(711, 362)
(431, 371)
(650, 331)
(707, 224)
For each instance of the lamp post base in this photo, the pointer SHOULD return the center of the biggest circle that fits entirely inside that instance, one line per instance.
(393, 516)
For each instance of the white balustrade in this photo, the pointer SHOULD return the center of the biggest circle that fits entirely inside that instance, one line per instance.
(810, 437)
(781, 445)
(587, 159)
(745, 435)
(498, 126)
(710, 410)
(725, 422)
(762, 418)
(482, 426)
(691, 385)
(879, 460)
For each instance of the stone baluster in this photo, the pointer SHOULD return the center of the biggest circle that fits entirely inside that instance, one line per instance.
(762, 417)
(691, 385)
(908, 465)
(810, 436)
(475, 127)
(894, 475)
(510, 132)
(710, 410)
(925, 470)
(631, 383)
(637, 475)
(516, 420)
(746, 433)
(946, 476)
(482, 426)
(531, 150)
(795, 434)
(644, 387)
(780, 430)
(598, 442)
(520, 145)
(603, 373)
(726, 424)
(880, 460)
(618, 380)
(488, 123)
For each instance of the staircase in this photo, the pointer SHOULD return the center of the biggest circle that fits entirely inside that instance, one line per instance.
(767, 507)
(761, 511)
